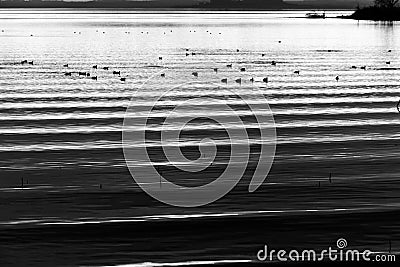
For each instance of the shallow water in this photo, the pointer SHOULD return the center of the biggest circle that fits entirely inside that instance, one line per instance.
(62, 134)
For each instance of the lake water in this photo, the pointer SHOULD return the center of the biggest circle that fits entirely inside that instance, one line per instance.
(61, 134)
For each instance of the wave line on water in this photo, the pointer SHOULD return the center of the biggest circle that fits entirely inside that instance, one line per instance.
(185, 263)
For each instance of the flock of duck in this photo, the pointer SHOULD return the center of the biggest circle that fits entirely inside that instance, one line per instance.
(83, 73)
(188, 53)
(195, 74)
(87, 74)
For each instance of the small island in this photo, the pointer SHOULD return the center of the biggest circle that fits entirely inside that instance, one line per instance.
(382, 10)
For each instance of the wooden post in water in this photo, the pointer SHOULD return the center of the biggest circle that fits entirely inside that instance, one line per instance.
(22, 182)
(330, 178)
(159, 173)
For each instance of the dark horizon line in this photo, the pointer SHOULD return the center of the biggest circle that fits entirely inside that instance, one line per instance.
(161, 5)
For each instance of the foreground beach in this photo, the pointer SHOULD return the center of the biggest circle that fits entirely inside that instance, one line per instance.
(232, 238)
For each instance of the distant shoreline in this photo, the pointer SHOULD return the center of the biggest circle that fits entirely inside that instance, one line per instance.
(186, 8)
(181, 8)
(375, 14)
(146, 6)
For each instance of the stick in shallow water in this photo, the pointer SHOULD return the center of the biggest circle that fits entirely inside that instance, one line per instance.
(159, 173)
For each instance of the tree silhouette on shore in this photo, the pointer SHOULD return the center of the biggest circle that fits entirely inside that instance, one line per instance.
(382, 10)
(386, 3)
